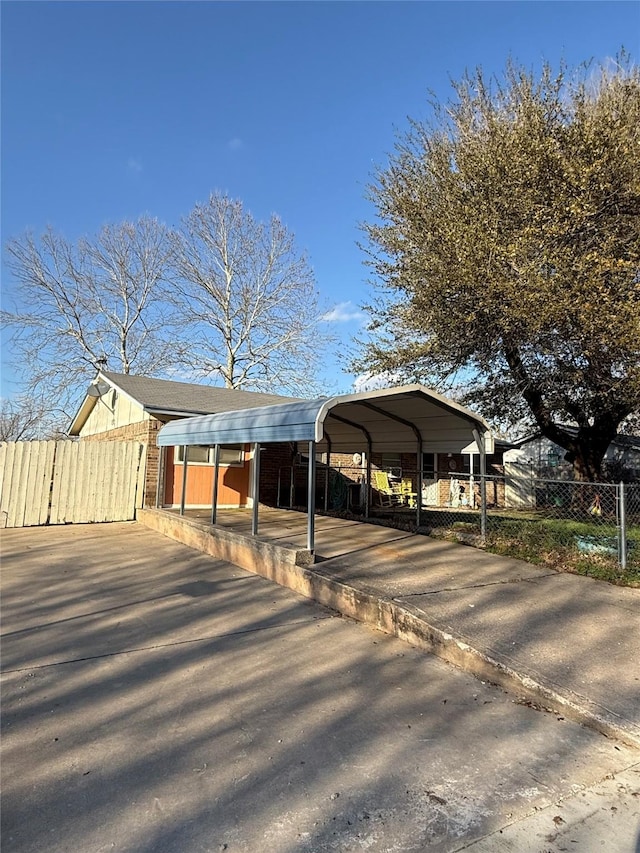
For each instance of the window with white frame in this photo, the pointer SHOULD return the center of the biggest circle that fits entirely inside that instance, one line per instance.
(232, 455)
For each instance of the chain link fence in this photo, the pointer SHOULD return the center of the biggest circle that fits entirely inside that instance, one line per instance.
(553, 522)
(339, 489)
(567, 522)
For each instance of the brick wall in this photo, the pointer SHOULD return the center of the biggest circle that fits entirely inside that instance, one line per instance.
(343, 462)
(273, 457)
(153, 462)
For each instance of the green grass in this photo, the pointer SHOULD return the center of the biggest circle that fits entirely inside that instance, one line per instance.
(554, 542)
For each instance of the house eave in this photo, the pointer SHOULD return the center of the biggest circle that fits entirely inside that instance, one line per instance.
(174, 413)
(82, 415)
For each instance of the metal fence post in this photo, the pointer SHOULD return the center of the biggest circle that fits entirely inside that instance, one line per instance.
(622, 529)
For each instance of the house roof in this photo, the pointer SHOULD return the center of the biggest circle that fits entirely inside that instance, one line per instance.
(388, 419)
(631, 442)
(167, 397)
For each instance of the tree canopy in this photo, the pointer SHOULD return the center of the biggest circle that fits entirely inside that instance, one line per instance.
(507, 252)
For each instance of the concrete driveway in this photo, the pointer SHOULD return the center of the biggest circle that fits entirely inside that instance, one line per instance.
(157, 700)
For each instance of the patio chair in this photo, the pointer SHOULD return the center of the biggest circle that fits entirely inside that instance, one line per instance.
(387, 494)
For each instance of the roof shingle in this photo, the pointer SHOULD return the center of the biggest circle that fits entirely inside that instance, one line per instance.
(169, 396)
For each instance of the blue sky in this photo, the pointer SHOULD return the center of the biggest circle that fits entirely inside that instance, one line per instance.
(112, 110)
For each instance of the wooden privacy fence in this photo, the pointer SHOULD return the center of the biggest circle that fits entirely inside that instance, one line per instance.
(60, 482)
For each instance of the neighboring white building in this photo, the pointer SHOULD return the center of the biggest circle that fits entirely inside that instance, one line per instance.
(537, 458)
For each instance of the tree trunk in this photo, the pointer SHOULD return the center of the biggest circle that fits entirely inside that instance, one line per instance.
(586, 451)
(587, 465)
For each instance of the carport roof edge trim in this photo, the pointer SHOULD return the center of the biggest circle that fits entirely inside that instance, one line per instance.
(298, 421)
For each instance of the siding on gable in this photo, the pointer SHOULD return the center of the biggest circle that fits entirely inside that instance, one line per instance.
(107, 414)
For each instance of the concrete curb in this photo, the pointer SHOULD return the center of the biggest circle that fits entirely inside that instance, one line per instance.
(248, 552)
(290, 567)
(401, 620)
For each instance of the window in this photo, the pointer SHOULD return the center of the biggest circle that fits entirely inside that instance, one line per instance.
(303, 458)
(429, 466)
(197, 453)
(200, 454)
(231, 455)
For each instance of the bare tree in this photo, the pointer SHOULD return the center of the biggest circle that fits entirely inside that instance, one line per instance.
(95, 303)
(249, 298)
(22, 418)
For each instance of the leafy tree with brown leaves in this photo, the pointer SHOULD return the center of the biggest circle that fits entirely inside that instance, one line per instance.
(507, 252)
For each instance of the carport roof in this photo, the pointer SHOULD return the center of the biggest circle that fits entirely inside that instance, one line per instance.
(390, 419)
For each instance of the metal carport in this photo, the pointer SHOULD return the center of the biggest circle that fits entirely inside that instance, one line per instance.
(403, 419)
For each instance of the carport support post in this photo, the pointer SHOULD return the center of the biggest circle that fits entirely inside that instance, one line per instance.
(160, 484)
(326, 482)
(311, 497)
(183, 496)
(327, 479)
(256, 488)
(479, 440)
(419, 487)
(214, 490)
(367, 491)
